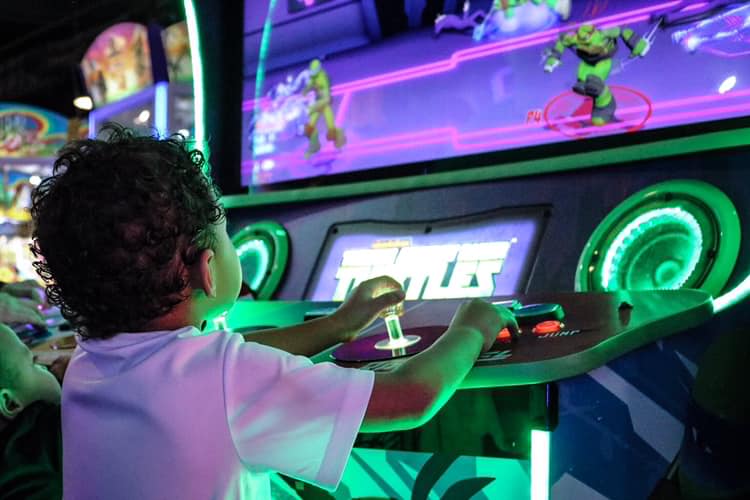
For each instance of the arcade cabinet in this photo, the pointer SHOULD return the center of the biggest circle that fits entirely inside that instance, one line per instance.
(29, 140)
(588, 172)
(140, 76)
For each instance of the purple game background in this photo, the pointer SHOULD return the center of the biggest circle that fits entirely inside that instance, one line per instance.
(414, 97)
(512, 279)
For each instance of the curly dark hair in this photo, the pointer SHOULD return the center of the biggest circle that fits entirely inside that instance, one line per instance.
(117, 225)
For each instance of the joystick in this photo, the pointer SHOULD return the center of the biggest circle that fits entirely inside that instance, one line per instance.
(396, 338)
(391, 344)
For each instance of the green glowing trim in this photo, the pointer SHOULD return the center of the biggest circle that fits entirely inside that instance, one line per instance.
(539, 465)
(261, 250)
(708, 208)
(260, 72)
(393, 325)
(733, 296)
(632, 234)
(268, 241)
(191, 19)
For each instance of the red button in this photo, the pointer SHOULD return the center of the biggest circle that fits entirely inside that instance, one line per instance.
(547, 327)
(504, 336)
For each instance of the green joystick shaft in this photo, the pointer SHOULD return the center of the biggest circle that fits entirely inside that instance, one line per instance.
(396, 338)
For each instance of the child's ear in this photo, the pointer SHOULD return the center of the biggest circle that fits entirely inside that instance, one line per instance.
(9, 405)
(205, 273)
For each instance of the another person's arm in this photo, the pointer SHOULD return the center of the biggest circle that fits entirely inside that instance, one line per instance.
(28, 289)
(15, 310)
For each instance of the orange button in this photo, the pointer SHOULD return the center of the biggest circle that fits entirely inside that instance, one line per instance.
(504, 336)
(547, 327)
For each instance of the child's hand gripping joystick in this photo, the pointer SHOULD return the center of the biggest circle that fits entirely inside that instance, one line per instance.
(396, 338)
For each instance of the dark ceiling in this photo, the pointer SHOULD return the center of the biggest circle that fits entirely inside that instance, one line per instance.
(42, 42)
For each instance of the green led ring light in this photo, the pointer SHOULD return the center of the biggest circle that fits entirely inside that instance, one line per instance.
(263, 250)
(621, 265)
(676, 234)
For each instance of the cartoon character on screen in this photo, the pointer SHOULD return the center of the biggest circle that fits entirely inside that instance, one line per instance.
(596, 48)
(507, 16)
(321, 85)
(508, 7)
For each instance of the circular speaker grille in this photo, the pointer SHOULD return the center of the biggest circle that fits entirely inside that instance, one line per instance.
(263, 250)
(677, 234)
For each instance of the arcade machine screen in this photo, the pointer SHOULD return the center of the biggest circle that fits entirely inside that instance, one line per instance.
(120, 77)
(482, 256)
(29, 140)
(479, 79)
(16, 184)
(118, 63)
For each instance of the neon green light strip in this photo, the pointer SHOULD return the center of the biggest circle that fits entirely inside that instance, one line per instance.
(260, 250)
(197, 62)
(632, 232)
(260, 73)
(733, 296)
(539, 465)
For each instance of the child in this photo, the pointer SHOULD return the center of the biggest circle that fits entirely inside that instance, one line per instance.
(30, 454)
(132, 244)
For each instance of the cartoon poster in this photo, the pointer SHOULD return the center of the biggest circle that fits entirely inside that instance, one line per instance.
(118, 63)
(30, 132)
(177, 50)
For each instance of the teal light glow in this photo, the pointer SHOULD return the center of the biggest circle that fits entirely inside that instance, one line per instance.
(161, 108)
(259, 250)
(197, 63)
(396, 340)
(539, 465)
(266, 243)
(734, 296)
(265, 41)
(393, 325)
(660, 257)
(671, 274)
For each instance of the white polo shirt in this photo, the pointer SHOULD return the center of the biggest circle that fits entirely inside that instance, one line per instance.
(180, 414)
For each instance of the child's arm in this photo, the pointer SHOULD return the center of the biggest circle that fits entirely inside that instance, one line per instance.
(307, 338)
(410, 395)
(359, 310)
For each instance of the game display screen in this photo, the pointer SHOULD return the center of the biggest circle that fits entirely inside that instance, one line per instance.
(344, 86)
(17, 180)
(118, 63)
(29, 139)
(479, 256)
(176, 44)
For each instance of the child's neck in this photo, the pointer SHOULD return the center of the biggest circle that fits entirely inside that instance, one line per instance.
(182, 315)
